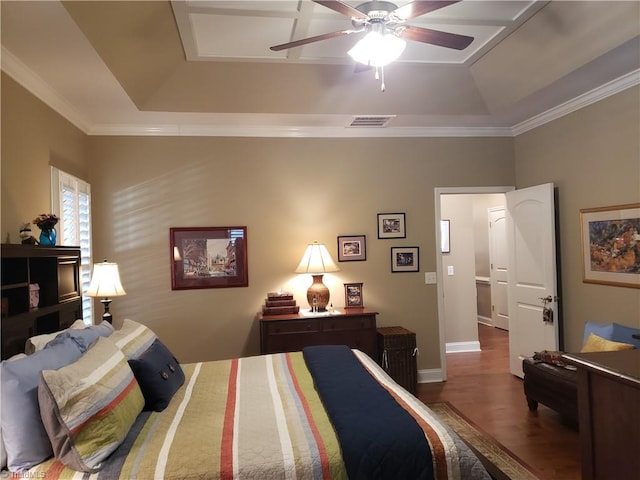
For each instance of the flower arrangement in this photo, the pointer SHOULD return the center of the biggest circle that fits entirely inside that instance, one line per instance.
(46, 221)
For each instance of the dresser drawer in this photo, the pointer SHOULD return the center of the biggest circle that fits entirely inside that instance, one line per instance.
(292, 326)
(349, 323)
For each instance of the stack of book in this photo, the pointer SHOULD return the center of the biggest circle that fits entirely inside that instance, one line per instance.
(279, 304)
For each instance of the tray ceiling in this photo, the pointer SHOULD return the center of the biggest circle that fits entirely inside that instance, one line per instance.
(205, 68)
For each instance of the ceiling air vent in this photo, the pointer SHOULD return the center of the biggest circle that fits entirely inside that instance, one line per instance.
(371, 121)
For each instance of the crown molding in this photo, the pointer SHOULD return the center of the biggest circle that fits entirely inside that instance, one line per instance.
(295, 132)
(599, 93)
(39, 88)
(29, 80)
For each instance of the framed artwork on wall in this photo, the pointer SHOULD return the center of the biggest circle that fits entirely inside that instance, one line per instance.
(208, 257)
(611, 245)
(391, 225)
(352, 248)
(353, 295)
(405, 259)
(445, 237)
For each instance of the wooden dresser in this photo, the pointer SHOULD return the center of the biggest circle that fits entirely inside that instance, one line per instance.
(609, 413)
(354, 327)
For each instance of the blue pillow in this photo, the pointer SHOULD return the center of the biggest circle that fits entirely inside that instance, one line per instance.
(25, 438)
(603, 330)
(159, 375)
(85, 337)
(624, 334)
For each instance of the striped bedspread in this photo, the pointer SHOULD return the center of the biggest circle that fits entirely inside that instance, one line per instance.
(254, 418)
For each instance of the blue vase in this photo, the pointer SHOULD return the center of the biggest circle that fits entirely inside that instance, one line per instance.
(48, 237)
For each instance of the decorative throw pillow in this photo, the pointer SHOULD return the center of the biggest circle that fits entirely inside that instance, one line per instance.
(159, 375)
(622, 333)
(88, 407)
(603, 330)
(598, 344)
(38, 342)
(25, 439)
(133, 338)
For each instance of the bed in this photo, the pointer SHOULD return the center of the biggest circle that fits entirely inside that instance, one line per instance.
(324, 412)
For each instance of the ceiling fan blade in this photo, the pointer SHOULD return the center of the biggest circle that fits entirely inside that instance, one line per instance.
(317, 38)
(342, 8)
(415, 9)
(436, 37)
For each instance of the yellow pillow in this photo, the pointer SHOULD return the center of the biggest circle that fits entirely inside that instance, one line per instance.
(595, 343)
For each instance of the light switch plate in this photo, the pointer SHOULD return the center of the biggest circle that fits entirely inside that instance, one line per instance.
(430, 278)
(450, 270)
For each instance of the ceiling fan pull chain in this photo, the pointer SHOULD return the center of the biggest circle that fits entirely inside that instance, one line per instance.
(382, 85)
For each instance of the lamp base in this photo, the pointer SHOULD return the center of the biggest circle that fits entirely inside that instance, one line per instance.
(318, 294)
(107, 314)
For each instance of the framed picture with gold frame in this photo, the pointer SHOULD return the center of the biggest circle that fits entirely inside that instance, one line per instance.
(611, 245)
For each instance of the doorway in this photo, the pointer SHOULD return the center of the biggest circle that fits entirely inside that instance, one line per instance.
(457, 271)
(533, 274)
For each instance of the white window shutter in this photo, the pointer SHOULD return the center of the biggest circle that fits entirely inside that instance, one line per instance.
(71, 201)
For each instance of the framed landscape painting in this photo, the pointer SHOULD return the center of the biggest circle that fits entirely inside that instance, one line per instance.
(611, 245)
(208, 257)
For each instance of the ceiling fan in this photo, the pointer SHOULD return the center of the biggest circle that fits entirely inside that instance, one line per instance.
(386, 18)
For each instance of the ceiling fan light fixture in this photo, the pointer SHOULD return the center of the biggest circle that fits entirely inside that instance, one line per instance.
(377, 49)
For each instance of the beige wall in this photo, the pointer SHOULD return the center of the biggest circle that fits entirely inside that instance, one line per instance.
(292, 191)
(288, 192)
(33, 138)
(459, 289)
(593, 158)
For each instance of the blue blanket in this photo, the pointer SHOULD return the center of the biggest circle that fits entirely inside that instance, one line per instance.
(378, 438)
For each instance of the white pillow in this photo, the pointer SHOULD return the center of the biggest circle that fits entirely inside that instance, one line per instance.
(3, 451)
(38, 342)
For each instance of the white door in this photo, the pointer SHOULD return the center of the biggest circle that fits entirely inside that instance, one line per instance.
(498, 259)
(532, 283)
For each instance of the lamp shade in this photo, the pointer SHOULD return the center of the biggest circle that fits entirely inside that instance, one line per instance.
(316, 259)
(377, 49)
(105, 281)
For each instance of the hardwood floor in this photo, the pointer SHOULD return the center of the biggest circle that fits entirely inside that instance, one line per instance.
(481, 387)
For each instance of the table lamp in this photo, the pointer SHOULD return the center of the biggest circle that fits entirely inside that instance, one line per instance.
(105, 282)
(317, 261)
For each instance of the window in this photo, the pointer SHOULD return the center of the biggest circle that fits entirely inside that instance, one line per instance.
(71, 201)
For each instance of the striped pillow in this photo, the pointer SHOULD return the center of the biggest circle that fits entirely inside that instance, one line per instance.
(89, 406)
(133, 338)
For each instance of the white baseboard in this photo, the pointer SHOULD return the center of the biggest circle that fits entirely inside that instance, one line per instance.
(459, 347)
(485, 320)
(432, 375)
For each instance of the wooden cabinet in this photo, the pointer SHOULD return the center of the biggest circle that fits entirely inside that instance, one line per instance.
(355, 328)
(609, 413)
(56, 272)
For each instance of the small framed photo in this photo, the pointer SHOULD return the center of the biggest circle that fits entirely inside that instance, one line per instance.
(391, 225)
(445, 237)
(405, 259)
(611, 245)
(353, 295)
(352, 248)
(208, 257)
